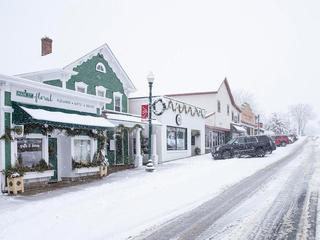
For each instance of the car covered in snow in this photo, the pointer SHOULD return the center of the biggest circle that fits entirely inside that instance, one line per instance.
(255, 146)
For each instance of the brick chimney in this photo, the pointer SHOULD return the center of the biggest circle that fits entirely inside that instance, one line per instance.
(46, 46)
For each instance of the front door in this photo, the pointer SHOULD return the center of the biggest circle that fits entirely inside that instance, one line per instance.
(53, 159)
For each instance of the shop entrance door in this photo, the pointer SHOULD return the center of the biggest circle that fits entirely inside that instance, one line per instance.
(53, 159)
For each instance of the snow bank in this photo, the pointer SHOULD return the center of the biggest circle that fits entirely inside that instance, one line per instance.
(126, 203)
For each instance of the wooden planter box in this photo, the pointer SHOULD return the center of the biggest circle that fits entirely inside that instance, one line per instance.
(86, 170)
(103, 171)
(15, 185)
(40, 175)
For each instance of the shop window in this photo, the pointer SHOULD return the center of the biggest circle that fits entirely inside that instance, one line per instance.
(100, 67)
(29, 151)
(219, 106)
(117, 98)
(176, 138)
(82, 150)
(81, 87)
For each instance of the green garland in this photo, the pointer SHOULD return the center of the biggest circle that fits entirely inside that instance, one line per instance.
(7, 135)
(186, 109)
(41, 166)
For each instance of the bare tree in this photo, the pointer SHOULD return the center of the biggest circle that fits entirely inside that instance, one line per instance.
(301, 114)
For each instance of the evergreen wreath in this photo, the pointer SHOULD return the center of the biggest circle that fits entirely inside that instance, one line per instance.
(164, 107)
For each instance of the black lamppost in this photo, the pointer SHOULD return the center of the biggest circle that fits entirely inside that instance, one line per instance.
(150, 166)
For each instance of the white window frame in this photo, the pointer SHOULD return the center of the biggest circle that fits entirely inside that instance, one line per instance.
(80, 85)
(101, 89)
(93, 145)
(117, 94)
(45, 154)
(100, 64)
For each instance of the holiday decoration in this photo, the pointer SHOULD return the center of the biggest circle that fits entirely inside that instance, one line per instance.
(182, 107)
(158, 102)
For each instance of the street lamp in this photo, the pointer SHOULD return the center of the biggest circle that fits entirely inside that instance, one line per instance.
(150, 166)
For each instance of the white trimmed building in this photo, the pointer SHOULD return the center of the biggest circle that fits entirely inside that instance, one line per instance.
(223, 115)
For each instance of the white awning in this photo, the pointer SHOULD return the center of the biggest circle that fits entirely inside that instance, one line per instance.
(239, 129)
(68, 118)
(128, 119)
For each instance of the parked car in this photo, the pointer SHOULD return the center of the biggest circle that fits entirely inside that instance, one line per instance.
(281, 140)
(242, 146)
(270, 145)
(292, 138)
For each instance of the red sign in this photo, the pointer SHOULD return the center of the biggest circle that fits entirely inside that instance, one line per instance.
(145, 111)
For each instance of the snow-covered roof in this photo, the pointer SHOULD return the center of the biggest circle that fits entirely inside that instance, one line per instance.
(239, 128)
(69, 118)
(128, 118)
(224, 82)
(64, 60)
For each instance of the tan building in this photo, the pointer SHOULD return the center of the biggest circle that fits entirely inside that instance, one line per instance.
(249, 120)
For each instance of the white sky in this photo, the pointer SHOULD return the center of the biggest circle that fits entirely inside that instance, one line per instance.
(270, 48)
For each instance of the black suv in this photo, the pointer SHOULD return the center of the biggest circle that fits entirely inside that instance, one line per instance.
(247, 145)
(268, 141)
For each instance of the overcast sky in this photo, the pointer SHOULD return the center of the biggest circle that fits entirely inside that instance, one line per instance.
(269, 48)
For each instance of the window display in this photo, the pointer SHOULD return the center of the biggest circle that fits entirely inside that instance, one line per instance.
(29, 151)
(176, 138)
(82, 150)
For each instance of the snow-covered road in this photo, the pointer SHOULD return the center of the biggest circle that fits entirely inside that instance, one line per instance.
(126, 203)
(278, 202)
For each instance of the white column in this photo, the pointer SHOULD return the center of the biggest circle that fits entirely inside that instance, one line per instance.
(138, 158)
(2, 147)
(154, 150)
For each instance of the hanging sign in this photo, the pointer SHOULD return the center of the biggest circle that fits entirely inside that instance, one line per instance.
(144, 111)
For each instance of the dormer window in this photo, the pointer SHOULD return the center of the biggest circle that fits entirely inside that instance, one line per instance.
(100, 91)
(81, 87)
(100, 67)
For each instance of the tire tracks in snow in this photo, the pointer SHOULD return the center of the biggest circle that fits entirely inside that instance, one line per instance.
(192, 224)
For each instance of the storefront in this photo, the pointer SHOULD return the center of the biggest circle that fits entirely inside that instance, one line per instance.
(182, 130)
(215, 137)
(50, 133)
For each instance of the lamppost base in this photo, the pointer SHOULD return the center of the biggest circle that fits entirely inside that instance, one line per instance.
(150, 167)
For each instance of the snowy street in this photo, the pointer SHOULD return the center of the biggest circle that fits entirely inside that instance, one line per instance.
(279, 202)
(194, 198)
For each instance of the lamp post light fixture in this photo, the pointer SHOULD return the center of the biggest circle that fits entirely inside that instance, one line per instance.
(150, 166)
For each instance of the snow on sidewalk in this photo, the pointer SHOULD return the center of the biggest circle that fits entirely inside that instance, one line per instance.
(128, 202)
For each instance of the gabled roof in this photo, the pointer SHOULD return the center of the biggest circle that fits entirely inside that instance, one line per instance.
(62, 62)
(225, 81)
(190, 94)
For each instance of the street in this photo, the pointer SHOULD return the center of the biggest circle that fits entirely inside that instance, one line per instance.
(192, 198)
(277, 202)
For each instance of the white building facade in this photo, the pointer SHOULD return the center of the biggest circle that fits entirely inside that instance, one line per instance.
(182, 130)
(222, 113)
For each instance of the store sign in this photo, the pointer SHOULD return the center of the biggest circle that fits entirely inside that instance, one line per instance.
(45, 98)
(145, 111)
(29, 145)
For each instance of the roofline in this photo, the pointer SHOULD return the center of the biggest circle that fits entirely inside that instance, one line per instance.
(46, 71)
(191, 94)
(30, 83)
(105, 45)
(225, 81)
(170, 98)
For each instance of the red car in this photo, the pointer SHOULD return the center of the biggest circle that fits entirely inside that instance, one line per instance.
(281, 140)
